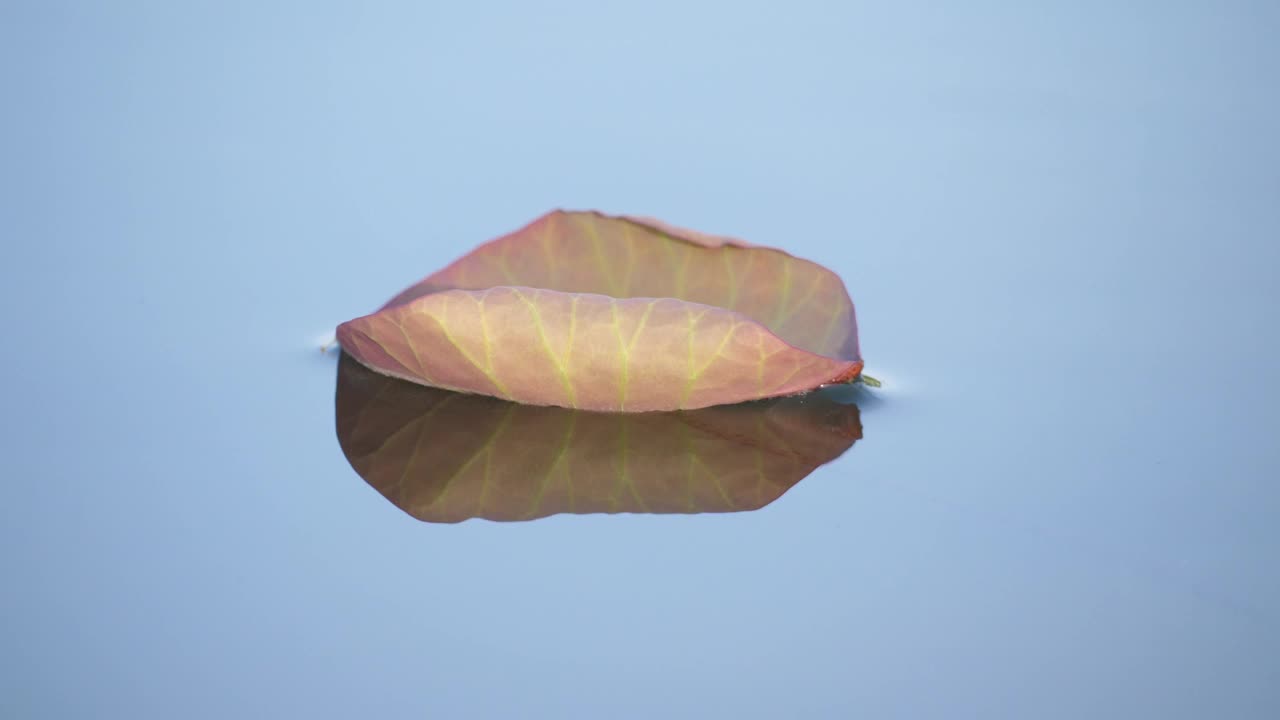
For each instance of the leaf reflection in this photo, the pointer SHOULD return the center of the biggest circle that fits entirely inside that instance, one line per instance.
(445, 457)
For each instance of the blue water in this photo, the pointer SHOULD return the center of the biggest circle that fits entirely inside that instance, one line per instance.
(1058, 222)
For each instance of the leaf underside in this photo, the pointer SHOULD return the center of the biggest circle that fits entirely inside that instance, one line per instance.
(581, 310)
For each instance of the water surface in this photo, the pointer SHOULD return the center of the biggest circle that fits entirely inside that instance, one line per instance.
(1058, 223)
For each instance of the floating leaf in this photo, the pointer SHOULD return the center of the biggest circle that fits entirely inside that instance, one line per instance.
(443, 456)
(583, 310)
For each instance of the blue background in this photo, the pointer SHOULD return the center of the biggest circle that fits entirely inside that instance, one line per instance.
(1059, 222)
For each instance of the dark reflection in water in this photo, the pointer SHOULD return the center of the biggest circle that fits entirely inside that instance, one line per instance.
(445, 457)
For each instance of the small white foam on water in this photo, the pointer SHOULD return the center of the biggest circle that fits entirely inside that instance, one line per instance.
(326, 341)
(891, 384)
